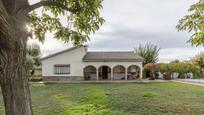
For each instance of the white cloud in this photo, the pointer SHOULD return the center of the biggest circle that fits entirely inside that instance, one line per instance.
(179, 53)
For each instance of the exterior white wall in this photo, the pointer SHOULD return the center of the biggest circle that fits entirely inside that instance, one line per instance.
(112, 64)
(72, 57)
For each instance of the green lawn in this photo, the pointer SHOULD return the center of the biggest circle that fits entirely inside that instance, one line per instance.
(116, 99)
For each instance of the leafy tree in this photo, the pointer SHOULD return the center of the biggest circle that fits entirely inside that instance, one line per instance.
(32, 57)
(33, 51)
(82, 19)
(149, 52)
(29, 64)
(194, 23)
(198, 59)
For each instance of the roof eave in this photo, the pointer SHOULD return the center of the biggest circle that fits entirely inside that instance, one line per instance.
(63, 51)
(112, 60)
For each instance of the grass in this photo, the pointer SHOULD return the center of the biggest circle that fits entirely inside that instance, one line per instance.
(116, 99)
(149, 94)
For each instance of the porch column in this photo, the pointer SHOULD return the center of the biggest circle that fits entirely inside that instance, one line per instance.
(97, 76)
(111, 74)
(141, 73)
(126, 74)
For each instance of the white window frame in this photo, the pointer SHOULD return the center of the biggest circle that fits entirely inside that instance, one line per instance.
(61, 69)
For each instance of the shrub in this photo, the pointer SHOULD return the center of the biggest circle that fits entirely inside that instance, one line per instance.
(150, 71)
(168, 69)
(181, 68)
(88, 109)
(34, 79)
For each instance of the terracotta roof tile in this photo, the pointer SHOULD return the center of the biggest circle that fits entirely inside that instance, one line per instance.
(111, 56)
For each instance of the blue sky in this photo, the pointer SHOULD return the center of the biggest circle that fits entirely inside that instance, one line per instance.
(133, 22)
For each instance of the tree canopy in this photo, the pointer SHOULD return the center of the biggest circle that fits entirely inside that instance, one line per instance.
(149, 52)
(194, 23)
(32, 57)
(198, 59)
(69, 20)
(33, 50)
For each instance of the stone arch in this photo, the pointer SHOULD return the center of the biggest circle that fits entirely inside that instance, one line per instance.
(119, 72)
(104, 72)
(133, 72)
(90, 72)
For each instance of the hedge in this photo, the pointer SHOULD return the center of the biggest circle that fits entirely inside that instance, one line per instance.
(34, 79)
(181, 68)
(149, 67)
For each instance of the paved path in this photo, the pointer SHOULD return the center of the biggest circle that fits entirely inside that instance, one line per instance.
(190, 82)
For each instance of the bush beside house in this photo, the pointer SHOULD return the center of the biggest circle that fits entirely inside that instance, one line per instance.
(168, 69)
(150, 71)
(33, 68)
(36, 75)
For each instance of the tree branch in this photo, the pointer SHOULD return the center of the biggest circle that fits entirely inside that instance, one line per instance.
(47, 3)
(5, 22)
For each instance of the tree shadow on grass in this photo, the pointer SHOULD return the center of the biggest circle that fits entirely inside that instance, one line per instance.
(95, 103)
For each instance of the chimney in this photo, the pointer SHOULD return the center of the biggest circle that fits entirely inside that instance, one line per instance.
(86, 48)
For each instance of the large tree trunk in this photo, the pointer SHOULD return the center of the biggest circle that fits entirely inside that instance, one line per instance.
(13, 81)
(16, 96)
(13, 38)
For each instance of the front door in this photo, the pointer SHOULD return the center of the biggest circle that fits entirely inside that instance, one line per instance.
(105, 73)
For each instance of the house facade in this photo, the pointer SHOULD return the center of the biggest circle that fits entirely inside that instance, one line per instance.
(77, 64)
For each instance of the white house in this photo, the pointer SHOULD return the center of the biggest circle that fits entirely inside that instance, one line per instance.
(78, 64)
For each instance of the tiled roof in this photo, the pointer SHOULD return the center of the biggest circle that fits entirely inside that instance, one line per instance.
(111, 56)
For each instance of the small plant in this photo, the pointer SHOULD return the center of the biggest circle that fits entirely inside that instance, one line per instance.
(149, 94)
(60, 96)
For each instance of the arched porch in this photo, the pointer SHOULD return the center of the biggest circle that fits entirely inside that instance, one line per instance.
(104, 72)
(133, 72)
(119, 72)
(112, 72)
(90, 73)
